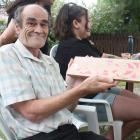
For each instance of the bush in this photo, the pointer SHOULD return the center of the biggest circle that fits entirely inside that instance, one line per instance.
(2, 25)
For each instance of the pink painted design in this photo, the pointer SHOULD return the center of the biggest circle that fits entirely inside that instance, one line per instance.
(133, 76)
(136, 64)
(128, 72)
(130, 66)
(119, 69)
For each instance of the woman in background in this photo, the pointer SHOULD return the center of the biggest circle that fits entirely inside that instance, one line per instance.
(72, 29)
(9, 34)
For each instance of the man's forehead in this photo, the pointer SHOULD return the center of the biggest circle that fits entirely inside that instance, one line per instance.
(31, 18)
(35, 16)
(35, 10)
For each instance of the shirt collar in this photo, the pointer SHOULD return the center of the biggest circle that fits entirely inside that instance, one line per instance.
(26, 53)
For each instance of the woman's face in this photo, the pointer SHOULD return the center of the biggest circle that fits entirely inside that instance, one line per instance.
(84, 28)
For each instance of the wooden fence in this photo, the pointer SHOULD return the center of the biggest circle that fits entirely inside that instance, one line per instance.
(115, 43)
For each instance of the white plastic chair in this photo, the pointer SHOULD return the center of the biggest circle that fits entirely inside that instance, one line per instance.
(89, 112)
(53, 50)
(6, 131)
(117, 125)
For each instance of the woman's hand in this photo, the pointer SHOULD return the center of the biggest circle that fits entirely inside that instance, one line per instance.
(126, 55)
(136, 56)
(105, 55)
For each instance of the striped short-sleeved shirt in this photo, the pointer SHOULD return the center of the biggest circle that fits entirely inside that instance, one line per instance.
(24, 77)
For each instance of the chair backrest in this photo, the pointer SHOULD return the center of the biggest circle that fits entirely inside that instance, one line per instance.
(6, 133)
(53, 50)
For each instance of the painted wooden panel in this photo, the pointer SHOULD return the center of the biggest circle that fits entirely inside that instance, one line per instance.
(119, 69)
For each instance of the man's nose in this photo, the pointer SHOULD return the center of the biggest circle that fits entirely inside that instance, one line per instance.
(38, 28)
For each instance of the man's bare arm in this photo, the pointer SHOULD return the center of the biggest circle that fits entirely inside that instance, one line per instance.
(36, 110)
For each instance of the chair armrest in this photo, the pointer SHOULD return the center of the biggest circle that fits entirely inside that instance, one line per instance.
(6, 131)
(91, 116)
(99, 101)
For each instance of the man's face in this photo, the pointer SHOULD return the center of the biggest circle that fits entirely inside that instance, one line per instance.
(34, 30)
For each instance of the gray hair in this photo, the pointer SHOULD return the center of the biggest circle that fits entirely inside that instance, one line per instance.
(18, 15)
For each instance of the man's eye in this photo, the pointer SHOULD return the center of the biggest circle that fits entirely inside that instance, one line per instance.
(44, 24)
(31, 23)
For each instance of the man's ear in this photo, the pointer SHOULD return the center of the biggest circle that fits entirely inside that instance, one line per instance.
(75, 24)
(17, 28)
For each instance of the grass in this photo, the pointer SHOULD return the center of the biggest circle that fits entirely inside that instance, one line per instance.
(122, 85)
(103, 129)
(134, 136)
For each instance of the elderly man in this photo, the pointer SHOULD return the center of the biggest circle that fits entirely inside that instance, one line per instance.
(34, 101)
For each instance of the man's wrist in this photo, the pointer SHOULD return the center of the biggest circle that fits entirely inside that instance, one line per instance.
(82, 91)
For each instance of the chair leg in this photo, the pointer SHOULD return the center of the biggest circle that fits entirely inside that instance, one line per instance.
(117, 127)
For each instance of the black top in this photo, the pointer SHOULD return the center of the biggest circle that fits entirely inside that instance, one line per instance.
(47, 7)
(73, 47)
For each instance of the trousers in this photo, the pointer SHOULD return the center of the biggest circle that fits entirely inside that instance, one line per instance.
(66, 132)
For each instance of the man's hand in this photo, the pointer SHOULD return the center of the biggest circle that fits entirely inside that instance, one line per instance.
(95, 84)
(92, 84)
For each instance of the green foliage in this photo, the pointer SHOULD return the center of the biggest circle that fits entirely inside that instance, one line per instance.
(2, 25)
(5, 2)
(132, 9)
(55, 8)
(116, 16)
(51, 39)
(105, 18)
(54, 11)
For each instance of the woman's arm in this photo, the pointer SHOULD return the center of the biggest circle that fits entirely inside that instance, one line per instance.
(106, 55)
(9, 35)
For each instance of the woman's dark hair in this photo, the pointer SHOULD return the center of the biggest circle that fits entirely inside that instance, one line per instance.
(15, 4)
(65, 17)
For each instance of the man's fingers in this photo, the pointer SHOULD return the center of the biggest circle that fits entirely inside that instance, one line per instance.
(104, 86)
(104, 79)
